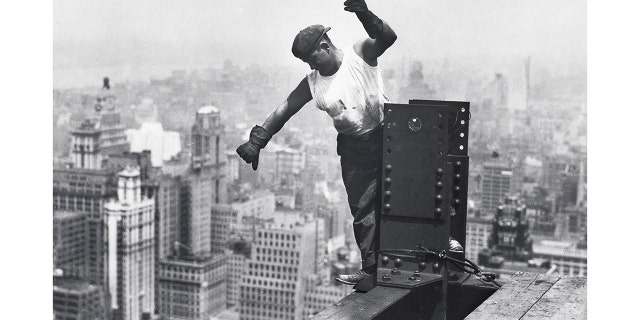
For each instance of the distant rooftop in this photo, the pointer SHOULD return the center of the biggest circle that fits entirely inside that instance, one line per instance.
(71, 284)
(208, 109)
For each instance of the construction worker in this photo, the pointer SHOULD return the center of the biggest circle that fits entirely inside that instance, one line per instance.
(347, 84)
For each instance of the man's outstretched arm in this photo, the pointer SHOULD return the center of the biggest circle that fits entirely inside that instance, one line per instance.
(260, 136)
(295, 101)
(381, 36)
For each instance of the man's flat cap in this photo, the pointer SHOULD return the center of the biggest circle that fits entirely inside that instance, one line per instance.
(307, 40)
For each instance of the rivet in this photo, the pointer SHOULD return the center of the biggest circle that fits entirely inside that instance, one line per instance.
(439, 184)
(387, 193)
(438, 211)
(422, 265)
(387, 180)
(388, 167)
(457, 176)
(439, 197)
(439, 171)
(387, 206)
(456, 189)
(458, 164)
(436, 266)
(456, 201)
(385, 260)
(398, 262)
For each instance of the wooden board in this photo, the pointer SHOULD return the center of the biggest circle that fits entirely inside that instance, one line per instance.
(567, 299)
(515, 298)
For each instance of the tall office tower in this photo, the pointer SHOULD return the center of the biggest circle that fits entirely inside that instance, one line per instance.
(70, 246)
(207, 145)
(86, 191)
(238, 254)
(167, 214)
(226, 218)
(167, 218)
(282, 256)
(130, 248)
(75, 299)
(195, 211)
(85, 186)
(496, 184)
(479, 230)
(192, 287)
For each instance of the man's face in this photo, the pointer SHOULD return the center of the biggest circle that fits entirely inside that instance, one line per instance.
(320, 60)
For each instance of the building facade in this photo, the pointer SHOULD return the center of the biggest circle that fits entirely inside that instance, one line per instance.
(70, 243)
(479, 231)
(86, 191)
(495, 184)
(130, 249)
(282, 256)
(75, 299)
(192, 287)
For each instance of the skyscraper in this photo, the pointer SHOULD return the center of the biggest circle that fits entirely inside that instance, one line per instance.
(226, 218)
(130, 249)
(191, 280)
(86, 191)
(284, 253)
(207, 146)
(70, 246)
(479, 230)
(86, 185)
(75, 299)
(192, 287)
(495, 184)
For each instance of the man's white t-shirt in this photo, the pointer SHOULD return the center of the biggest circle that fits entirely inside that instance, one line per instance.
(353, 96)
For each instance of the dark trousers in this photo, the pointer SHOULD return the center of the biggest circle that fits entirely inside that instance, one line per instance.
(360, 159)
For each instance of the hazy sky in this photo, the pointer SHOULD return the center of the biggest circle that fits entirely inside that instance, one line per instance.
(90, 33)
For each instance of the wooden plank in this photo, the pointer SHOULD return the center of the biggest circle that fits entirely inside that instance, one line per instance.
(515, 298)
(567, 299)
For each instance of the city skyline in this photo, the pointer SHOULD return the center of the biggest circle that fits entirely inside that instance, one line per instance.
(518, 88)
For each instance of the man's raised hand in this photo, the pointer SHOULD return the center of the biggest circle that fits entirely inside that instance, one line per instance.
(355, 6)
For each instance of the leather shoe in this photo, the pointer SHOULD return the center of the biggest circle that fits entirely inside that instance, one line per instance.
(455, 246)
(354, 278)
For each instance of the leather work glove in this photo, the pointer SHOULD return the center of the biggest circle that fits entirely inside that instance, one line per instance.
(250, 150)
(371, 23)
(355, 6)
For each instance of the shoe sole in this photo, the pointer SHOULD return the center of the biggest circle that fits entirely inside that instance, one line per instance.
(345, 282)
